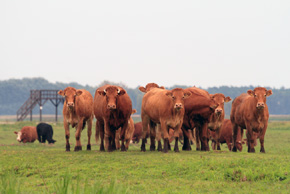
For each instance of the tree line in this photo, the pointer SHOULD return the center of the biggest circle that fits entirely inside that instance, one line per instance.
(14, 92)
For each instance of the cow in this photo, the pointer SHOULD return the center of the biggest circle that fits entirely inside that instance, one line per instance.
(164, 107)
(198, 109)
(250, 112)
(26, 134)
(129, 133)
(112, 109)
(154, 132)
(77, 111)
(226, 136)
(44, 132)
(216, 119)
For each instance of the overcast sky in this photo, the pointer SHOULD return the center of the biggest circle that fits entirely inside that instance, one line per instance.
(202, 43)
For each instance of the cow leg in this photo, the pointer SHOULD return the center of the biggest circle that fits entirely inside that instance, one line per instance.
(89, 124)
(153, 129)
(204, 137)
(176, 149)
(123, 134)
(158, 138)
(197, 135)
(235, 133)
(108, 137)
(100, 132)
(218, 139)
(186, 145)
(117, 139)
(78, 146)
(176, 135)
(262, 135)
(164, 131)
(145, 124)
(67, 134)
(251, 139)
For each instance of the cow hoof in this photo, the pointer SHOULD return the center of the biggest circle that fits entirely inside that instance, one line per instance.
(262, 150)
(252, 150)
(234, 149)
(123, 149)
(102, 148)
(88, 147)
(152, 148)
(67, 148)
(143, 149)
(218, 148)
(176, 149)
(78, 148)
(197, 149)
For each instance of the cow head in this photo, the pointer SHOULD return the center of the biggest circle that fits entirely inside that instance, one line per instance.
(178, 95)
(150, 86)
(260, 95)
(70, 95)
(112, 93)
(19, 136)
(220, 99)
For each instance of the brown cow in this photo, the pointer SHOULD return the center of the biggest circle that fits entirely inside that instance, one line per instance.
(198, 109)
(154, 132)
(26, 134)
(250, 111)
(112, 109)
(164, 107)
(226, 136)
(216, 119)
(129, 133)
(77, 111)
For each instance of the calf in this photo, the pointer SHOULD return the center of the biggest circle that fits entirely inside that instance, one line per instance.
(45, 132)
(250, 111)
(26, 134)
(226, 136)
(129, 133)
(216, 119)
(164, 107)
(112, 109)
(77, 111)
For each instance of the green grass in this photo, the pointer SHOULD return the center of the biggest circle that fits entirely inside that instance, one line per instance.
(38, 168)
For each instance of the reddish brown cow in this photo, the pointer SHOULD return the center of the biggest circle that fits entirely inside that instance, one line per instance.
(250, 111)
(77, 111)
(112, 109)
(154, 133)
(138, 132)
(226, 136)
(198, 109)
(26, 134)
(129, 133)
(164, 107)
(216, 119)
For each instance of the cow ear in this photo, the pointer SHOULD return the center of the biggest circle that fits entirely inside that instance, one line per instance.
(16, 132)
(60, 92)
(142, 89)
(227, 99)
(134, 111)
(121, 92)
(162, 87)
(269, 92)
(79, 92)
(211, 96)
(169, 94)
(251, 92)
(187, 94)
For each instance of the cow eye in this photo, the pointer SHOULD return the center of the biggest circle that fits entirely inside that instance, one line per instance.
(173, 97)
(265, 95)
(255, 95)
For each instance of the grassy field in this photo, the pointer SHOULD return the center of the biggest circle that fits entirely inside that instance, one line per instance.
(38, 168)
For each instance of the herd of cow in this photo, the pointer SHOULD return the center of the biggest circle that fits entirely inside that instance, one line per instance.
(190, 114)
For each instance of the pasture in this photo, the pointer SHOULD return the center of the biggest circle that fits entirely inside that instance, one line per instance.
(38, 168)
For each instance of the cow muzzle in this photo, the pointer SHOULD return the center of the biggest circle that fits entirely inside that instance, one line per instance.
(218, 111)
(70, 105)
(260, 105)
(178, 106)
(111, 106)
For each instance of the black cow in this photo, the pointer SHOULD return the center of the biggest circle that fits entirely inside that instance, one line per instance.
(44, 132)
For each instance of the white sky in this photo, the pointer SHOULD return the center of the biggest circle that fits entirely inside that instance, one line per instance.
(203, 43)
